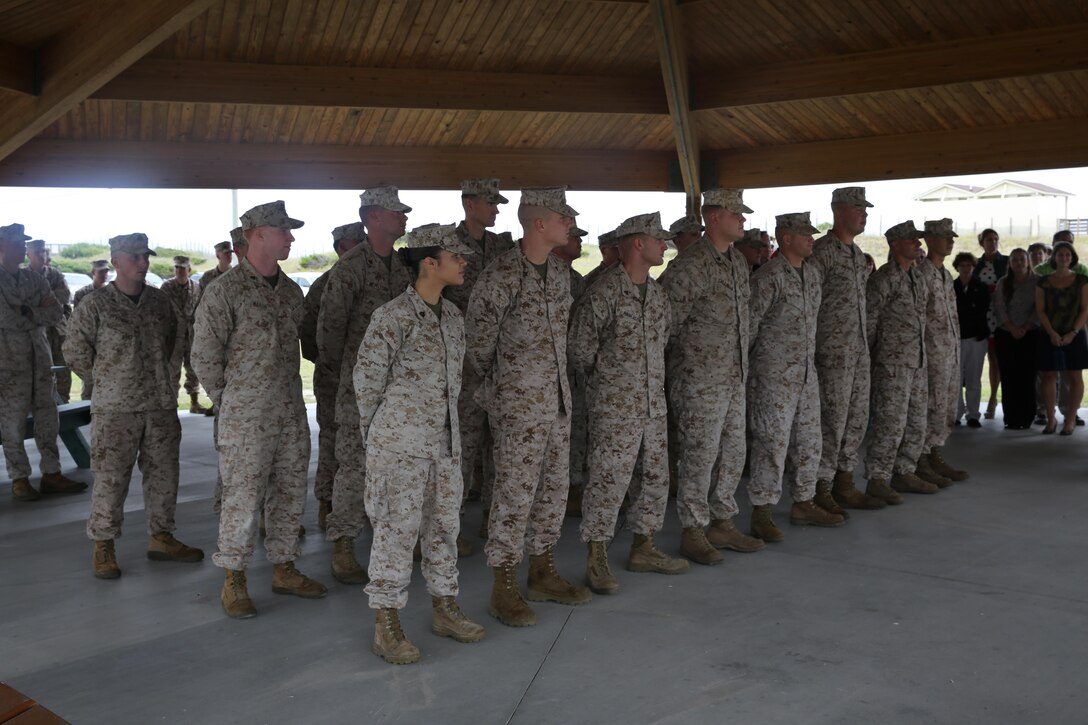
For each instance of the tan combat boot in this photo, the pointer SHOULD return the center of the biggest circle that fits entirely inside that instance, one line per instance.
(482, 533)
(59, 483)
(164, 547)
(843, 491)
(286, 579)
(507, 605)
(574, 501)
(807, 513)
(923, 471)
(21, 490)
(878, 488)
(447, 620)
(909, 483)
(598, 576)
(389, 641)
(194, 405)
(763, 526)
(105, 560)
(345, 567)
(646, 557)
(235, 596)
(324, 508)
(938, 464)
(694, 546)
(723, 534)
(826, 501)
(546, 585)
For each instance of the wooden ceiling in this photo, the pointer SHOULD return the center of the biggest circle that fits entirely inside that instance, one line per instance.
(596, 94)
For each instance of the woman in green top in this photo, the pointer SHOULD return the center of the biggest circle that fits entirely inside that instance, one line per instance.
(1061, 302)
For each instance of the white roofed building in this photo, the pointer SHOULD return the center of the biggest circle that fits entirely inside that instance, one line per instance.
(1018, 209)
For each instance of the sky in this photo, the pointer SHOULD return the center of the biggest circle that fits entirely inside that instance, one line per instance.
(195, 220)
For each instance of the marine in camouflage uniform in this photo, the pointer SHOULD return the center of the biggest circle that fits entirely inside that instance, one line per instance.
(223, 251)
(37, 256)
(516, 331)
(842, 351)
(688, 230)
(407, 379)
(481, 199)
(620, 329)
(783, 389)
(896, 299)
(707, 368)
(942, 354)
(579, 419)
(126, 348)
(184, 294)
(245, 349)
(27, 309)
(344, 239)
(361, 282)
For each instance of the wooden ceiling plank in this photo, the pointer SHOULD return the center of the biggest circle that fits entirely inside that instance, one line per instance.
(1029, 52)
(670, 43)
(991, 149)
(78, 62)
(17, 69)
(267, 84)
(194, 165)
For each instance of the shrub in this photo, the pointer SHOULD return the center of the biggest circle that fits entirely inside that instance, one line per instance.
(167, 255)
(163, 269)
(317, 261)
(84, 250)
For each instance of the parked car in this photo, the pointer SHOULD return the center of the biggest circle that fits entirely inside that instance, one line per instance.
(305, 279)
(77, 281)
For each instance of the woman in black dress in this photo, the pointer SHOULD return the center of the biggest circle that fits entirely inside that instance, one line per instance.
(1015, 338)
(991, 266)
(1061, 302)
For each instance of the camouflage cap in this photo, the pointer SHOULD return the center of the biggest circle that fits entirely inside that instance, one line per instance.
(687, 224)
(130, 244)
(940, 228)
(551, 197)
(272, 214)
(608, 239)
(437, 235)
(486, 188)
(354, 232)
(752, 238)
(729, 199)
(181, 261)
(237, 238)
(797, 221)
(384, 196)
(99, 264)
(224, 246)
(643, 224)
(576, 231)
(904, 230)
(852, 195)
(13, 233)
(36, 245)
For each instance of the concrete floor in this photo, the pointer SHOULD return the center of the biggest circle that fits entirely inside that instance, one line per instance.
(970, 606)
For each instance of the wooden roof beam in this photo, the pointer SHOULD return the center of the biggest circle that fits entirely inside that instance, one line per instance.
(154, 79)
(674, 71)
(78, 62)
(1032, 52)
(44, 162)
(17, 69)
(991, 149)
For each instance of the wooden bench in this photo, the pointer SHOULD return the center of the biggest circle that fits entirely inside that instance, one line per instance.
(18, 709)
